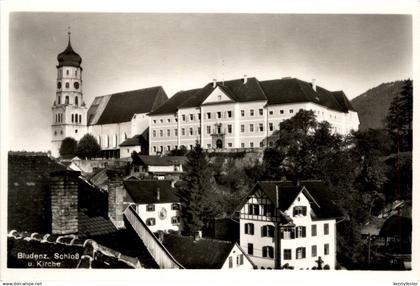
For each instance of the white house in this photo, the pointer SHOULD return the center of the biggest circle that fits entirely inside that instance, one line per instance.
(204, 253)
(243, 113)
(289, 226)
(155, 202)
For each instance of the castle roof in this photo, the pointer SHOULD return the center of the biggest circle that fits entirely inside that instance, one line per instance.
(278, 91)
(145, 191)
(121, 107)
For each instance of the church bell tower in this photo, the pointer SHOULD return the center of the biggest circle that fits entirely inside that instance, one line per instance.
(69, 110)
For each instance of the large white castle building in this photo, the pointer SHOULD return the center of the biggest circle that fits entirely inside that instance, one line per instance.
(240, 113)
(243, 113)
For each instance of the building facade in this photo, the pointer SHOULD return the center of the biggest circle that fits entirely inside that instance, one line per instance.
(287, 226)
(112, 119)
(243, 113)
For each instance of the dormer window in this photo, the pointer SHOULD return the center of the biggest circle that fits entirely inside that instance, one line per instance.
(254, 209)
(299, 211)
(219, 97)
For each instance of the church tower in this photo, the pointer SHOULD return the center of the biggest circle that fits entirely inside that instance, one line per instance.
(69, 110)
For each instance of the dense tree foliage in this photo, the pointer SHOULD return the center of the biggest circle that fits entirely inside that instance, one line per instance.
(68, 147)
(198, 198)
(88, 147)
(182, 151)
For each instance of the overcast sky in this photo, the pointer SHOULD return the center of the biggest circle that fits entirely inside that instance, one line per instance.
(123, 52)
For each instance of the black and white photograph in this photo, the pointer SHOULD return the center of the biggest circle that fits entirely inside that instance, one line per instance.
(209, 140)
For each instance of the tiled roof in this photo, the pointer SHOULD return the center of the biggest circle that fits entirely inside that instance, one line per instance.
(137, 140)
(172, 104)
(145, 191)
(287, 193)
(197, 254)
(292, 90)
(94, 225)
(278, 91)
(161, 160)
(120, 107)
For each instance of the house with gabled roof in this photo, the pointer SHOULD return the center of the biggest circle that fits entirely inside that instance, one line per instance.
(205, 253)
(284, 225)
(243, 113)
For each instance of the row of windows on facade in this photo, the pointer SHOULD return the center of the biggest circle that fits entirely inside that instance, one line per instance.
(67, 85)
(285, 233)
(67, 71)
(229, 114)
(268, 210)
(151, 207)
(67, 100)
(217, 130)
(239, 260)
(75, 118)
(268, 251)
(108, 141)
(190, 147)
(152, 221)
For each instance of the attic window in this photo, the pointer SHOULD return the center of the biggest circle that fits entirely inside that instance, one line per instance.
(299, 211)
(219, 97)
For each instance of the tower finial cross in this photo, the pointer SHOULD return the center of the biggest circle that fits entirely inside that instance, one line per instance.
(69, 31)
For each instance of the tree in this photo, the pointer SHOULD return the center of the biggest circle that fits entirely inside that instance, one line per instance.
(400, 118)
(88, 147)
(182, 151)
(68, 147)
(196, 192)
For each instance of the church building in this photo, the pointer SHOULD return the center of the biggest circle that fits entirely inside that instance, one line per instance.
(118, 121)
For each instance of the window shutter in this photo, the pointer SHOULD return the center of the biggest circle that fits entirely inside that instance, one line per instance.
(303, 252)
(304, 211)
(262, 231)
(294, 211)
(246, 228)
(252, 228)
(241, 259)
(297, 251)
(304, 231)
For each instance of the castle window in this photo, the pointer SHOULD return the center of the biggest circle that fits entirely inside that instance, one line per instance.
(219, 114)
(191, 131)
(183, 131)
(191, 117)
(267, 231)
(80, 118)
(150, 221)
(75, 131)
(251, 128)
(268, 251)
(326, 249)
(281, 111)
(287, 254)
(261, 127)
(183, 117)
(208, 129)
(161, 133)
(290, 110)
(154, 149)
(242, 128)
(326, 228)
(208, 115)
(300, 252)
(229, 128)
(300, 231)
(150, 208)
(61, 132)
(154, 133)
(72, 118)
(199, 130)
(271, 126)
(67, 85)
(271, 112)
(229, 114)
(250, 249)
(125, 136)
(175, 207)
(175, 220)
(67, 72)
(55, 132)
(75, 72)
(313, 230)
(168, 148)
(168, 132)
(261, 111)
(251, 144)
(249, 228)
(176, 132)
(242, 113)
(59, 99)
(254, 209)
(67, 100)
(76, 100)
(251, 112)
(299, 211)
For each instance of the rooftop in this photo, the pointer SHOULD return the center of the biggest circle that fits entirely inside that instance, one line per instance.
(146, 191)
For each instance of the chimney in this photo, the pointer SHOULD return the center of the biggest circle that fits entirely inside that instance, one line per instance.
(198, 235)
(158, 194)
(277, 197)
(64, 202)
(214, 83)
(314, 84)
(115, 197)
(245, 78)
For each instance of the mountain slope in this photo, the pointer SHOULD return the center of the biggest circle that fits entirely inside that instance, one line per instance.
(373, 105)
